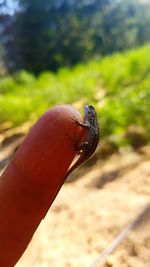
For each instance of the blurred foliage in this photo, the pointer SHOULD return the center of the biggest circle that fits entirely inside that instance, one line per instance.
(49, 34)
(118, 86)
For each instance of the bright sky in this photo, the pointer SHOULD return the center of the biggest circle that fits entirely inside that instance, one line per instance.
(11, 6)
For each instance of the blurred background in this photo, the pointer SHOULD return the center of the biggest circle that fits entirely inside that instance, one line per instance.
(83, 52)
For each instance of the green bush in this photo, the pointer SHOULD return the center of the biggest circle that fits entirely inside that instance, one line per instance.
(118, 86)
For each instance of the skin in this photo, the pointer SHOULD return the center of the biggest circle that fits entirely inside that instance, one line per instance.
(33, 179)
(90, 142)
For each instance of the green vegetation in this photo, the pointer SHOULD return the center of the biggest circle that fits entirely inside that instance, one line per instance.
(118, 86)
(49, 34)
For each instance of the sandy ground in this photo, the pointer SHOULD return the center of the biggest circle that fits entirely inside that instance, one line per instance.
(90, 212)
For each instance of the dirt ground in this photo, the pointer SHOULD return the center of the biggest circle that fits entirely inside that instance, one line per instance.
(89, 212)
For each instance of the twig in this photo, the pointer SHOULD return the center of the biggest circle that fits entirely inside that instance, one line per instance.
(142, 217)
